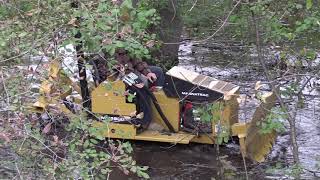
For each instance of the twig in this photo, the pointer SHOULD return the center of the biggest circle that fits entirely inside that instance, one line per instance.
(245, 166)
(43, 145)
(196, 165)
(314, 172)
(174, 11)
(18, 171)
(194, 4)
(291, 118)
(222, 25)
(5, 88)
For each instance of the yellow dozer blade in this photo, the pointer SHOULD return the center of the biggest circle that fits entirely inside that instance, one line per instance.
(258, 145)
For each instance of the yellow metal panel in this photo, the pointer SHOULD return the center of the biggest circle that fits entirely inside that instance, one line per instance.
(257, 144)
(176, 138)
(204, 139)
(230, 112)
(111, 101)
(239, 128)
(121, 131)
(171, 109)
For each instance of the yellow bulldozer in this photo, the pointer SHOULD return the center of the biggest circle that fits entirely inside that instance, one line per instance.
(189, 108)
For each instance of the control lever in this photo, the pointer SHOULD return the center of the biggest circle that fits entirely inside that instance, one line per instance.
(131, 79)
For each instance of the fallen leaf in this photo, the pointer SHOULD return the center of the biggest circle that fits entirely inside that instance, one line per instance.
(47, 128)
(4, 137)
(55, 140)
(126, 30)
(150, 43)
(107, 41)
(29, 13)
(73, 22)
(115, 1)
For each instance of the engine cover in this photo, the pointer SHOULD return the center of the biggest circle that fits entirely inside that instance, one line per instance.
(185, 84)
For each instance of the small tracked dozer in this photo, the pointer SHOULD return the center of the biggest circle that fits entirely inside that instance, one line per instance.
(190, 107)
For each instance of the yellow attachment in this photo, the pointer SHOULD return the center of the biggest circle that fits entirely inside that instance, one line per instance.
(57, 87)
(258, 145)
(54, 69)
(239, 128)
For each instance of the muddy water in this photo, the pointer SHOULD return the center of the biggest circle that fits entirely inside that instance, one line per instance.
(196, 161)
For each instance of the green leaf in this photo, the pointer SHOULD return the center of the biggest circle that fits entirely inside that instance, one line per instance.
(131, 97)
(133, 169)
(143, 174)
(206, 117)
(86, 144)
(309, 4)
(112, 50)
(299, 6)
(2, 43)
(94, 141)
(23, 34)
(226, 139)
(127, 4)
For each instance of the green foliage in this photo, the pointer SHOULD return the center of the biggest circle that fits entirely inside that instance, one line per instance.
(309, 4)
(106, 26)
(273, 122)
(131, 97)
(211, 113)
(83, 153)
(223, 134)
(28, 28)
(280, 21)
(290, 90)
(203, 17)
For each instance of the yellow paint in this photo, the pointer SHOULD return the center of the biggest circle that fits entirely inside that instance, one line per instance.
(239, 128)
(111, 101)
(176, 138)
(230, 111)
(51, 91)
(257, 144)
(171, 109)
(204, 139)
(114, 130)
